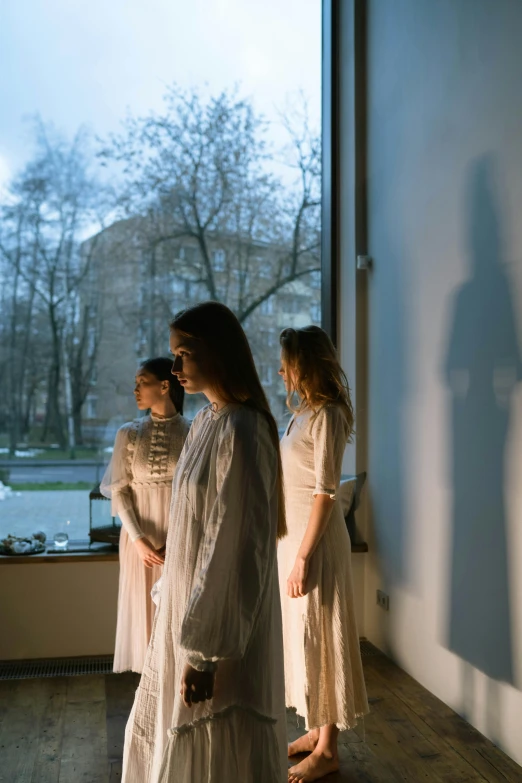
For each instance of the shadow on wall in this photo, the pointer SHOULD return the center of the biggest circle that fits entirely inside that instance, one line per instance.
(481, 369)
(388, 392)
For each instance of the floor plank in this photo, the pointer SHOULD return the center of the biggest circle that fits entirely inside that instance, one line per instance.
(71, 730)
(119, 691)
(84, 751)
(365, 766)
(459, 737)
(15, 727)
(406, 733)
(50, 735)
(29, 707)
(397, 755)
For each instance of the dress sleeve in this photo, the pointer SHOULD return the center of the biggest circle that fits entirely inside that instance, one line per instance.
(330, 435)
(115, 485)
(238, 546)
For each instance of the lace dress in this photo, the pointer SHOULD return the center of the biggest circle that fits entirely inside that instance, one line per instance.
(218, 602)
(139, 482)
(323, 670)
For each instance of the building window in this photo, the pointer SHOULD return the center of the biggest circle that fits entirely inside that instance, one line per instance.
(263, 268)
(178, 286)
(91, 340)
(199, 292)
(266, 374)
(292, 305)
(267, 337)
(218, 260)
(315, 313)
(315, 279)
(267, 307)
(189, 254)
(91, 406)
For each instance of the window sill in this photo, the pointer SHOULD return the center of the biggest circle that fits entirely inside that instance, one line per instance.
(79, 552)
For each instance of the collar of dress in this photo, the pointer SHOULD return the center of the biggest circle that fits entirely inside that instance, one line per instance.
(217, 414)
(163, 418)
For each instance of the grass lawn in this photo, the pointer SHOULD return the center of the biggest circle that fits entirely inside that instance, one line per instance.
(55, 454)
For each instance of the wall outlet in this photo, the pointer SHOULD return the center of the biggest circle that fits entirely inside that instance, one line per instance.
(383, 600)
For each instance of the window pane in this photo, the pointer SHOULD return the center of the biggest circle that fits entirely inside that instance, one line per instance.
(142, 184)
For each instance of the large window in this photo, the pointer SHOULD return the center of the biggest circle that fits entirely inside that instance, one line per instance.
(149, 159)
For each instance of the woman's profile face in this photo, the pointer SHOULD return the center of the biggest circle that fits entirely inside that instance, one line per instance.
(286, 374)
(191, 365)
(148, 390)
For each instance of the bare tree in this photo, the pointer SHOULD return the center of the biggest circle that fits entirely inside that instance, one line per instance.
(20, 227)
(198, 172)
(203, 215)
(51, 204)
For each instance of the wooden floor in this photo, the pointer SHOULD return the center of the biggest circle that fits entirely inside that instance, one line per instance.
(70, 730)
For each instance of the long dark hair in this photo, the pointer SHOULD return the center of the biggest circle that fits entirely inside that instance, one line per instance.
(233, 372)
(161, 368)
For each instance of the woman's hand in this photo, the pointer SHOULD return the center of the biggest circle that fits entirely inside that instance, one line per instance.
(196, 686)
(296, 582)
(149, 555)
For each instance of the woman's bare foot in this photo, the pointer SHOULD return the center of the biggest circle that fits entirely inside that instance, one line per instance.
(316, 766)
(305, 744)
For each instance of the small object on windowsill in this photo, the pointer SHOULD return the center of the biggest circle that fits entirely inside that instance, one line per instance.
(61, 541)
(109, 534)
(61, 538)
(16, 545)
(77, 552)
(350, 492)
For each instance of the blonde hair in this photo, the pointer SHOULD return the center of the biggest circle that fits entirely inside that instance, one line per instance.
(233, 372)
(315, 373)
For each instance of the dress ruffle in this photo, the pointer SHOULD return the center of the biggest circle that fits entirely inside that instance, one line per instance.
(236, 739)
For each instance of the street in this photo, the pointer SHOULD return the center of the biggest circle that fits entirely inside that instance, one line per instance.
(66, 473)
(24, 513)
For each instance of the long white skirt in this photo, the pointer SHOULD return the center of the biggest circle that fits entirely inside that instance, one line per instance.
(324, 678)
(135, 606)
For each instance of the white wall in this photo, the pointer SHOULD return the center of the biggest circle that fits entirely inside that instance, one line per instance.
(57, 610)
(54, 610)
(444, 363)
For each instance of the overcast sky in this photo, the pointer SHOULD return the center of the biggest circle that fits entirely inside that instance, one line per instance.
(86, 61)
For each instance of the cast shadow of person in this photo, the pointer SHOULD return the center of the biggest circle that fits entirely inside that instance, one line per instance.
(482, 367)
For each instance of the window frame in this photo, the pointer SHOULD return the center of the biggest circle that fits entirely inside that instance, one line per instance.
(330, 183)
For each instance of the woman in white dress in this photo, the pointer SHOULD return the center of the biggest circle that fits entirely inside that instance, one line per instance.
(323, 670)
(139, 482)
(210, 704)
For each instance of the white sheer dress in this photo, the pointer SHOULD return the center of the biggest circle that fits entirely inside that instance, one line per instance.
(218, 603)
(138, 480)
(323, 669)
